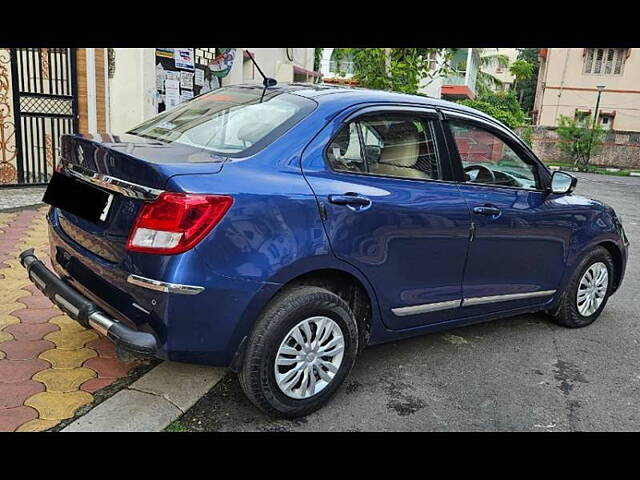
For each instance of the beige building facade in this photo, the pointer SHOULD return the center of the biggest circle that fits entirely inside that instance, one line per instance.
(568, 82)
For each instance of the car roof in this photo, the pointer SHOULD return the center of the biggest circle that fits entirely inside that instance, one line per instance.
(343, 96)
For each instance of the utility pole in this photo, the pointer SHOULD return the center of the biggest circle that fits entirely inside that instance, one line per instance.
(593, 125)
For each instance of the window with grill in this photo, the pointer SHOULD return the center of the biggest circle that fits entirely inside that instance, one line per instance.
(605, 61)
(393, 146)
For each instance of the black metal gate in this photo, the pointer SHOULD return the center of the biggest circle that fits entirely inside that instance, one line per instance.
(45, 107)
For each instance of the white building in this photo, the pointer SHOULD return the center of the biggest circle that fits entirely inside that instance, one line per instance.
(460, 83)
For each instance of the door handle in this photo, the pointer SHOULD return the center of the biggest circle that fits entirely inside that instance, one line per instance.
(487, 210)
(350, 199)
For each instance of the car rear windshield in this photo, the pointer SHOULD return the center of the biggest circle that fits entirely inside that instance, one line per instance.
(231, 121)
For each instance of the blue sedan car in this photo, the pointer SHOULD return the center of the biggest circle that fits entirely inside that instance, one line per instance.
(279, 231)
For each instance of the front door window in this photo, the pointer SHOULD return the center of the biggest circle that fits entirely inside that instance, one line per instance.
(487, 159)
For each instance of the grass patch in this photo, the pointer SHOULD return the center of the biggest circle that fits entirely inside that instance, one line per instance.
(176, 426)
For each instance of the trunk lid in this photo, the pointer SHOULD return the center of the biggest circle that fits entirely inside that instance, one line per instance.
(131, 159)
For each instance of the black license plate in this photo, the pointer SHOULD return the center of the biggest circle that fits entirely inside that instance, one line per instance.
(78, 198)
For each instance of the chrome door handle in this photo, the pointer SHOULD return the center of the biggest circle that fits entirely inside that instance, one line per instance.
(487, 210)
(347, 199)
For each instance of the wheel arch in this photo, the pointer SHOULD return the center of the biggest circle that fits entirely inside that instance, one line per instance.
(618, 262)
(348, 284)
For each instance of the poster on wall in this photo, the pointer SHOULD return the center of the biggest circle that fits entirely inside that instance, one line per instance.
(186, 80)
(221, 65)
(180, 80)
(184, 58)
(165, 52)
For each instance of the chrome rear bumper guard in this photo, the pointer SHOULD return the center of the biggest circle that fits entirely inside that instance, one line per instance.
(85, 312)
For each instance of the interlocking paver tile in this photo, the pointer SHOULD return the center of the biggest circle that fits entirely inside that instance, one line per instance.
(6, 308)
(58, 406)
(71, 340)
(6, 320)
(37, 425)
(12, 418)
(64, 380)
(25, 350)
(66, 323)
(36, 393)
(30, 331)
(36, 301)
(67, 358)
(108, 367)
(5, 336)
(104, 347)
(12, 371)
(95, 384)
(27, 315)
(14, 394)
(12, 294)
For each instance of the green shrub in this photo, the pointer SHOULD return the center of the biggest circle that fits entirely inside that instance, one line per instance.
(503, 106)
(578, 142)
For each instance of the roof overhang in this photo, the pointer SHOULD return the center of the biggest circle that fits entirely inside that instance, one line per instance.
(457, 91)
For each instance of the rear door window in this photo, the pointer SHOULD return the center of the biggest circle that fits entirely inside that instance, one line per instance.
(400, 146)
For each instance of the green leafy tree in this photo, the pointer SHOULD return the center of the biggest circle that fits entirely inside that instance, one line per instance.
(485, 81)
(521, 70)
(503, 106)
(526, 88)
(403, 70)
(579, 142)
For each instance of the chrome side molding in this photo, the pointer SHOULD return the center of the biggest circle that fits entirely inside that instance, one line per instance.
(165, 287)
(114, 184)
(426, 307)
(467, 302)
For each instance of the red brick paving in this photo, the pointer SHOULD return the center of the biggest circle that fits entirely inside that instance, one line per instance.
(30, 332)
(12, 418)
(42, 315)
(14, 394)
(95, 384)
(18, 232)
(36, 301)
(25, 350)
(108, 367)
(104, 347)
(12, 371)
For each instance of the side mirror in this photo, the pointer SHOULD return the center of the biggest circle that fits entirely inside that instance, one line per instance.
(562, 182)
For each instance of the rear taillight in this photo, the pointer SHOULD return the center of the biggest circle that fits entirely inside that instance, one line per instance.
(175, 222)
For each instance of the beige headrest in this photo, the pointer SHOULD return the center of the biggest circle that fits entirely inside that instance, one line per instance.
(401, 145)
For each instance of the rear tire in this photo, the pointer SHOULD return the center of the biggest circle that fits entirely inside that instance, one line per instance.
(327, 355)
(587, 282)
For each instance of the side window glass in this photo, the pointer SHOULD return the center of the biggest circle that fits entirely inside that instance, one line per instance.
(344, 152)
(487, 159)
(400, 146)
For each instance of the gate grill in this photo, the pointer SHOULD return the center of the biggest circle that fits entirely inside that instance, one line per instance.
(45, 106)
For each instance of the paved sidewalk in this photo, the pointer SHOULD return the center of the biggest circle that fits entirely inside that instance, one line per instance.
(20, 197)
(50, 366)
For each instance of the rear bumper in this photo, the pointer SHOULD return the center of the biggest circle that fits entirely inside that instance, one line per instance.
(85, 312)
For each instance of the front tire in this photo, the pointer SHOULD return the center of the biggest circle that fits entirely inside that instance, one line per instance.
(300, 351)
(587, 291)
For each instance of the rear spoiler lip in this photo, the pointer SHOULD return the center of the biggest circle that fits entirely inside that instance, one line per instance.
(128, 189)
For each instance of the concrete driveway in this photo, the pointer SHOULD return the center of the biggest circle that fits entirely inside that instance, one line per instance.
(521, 373)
